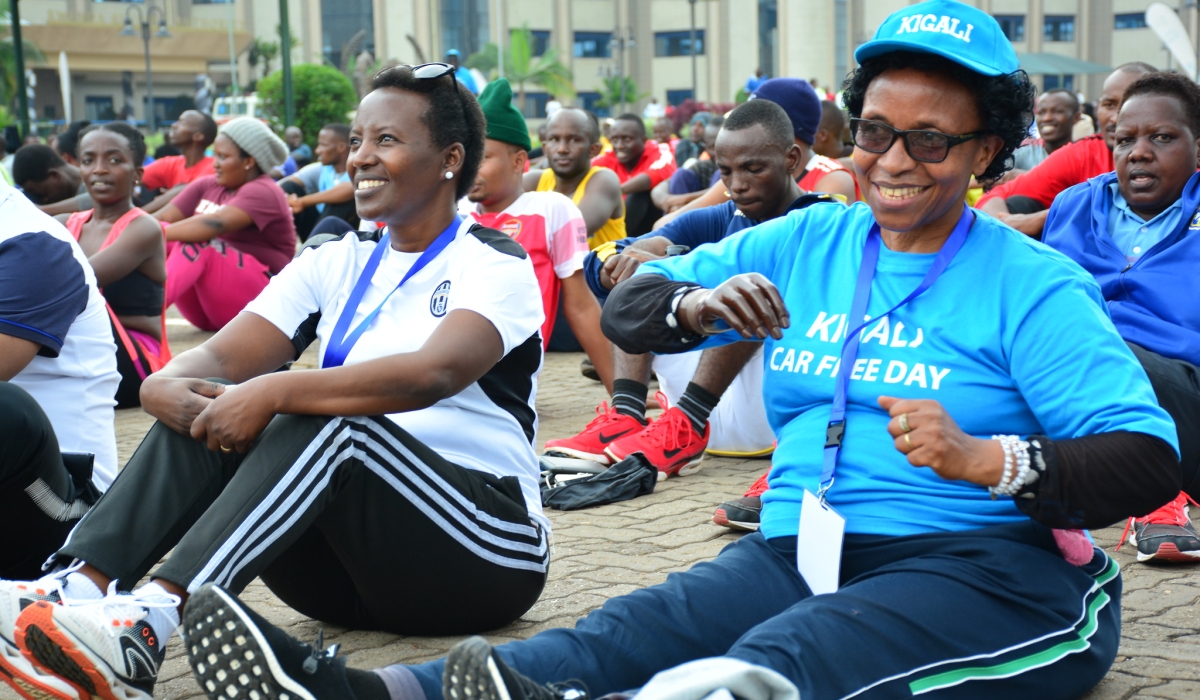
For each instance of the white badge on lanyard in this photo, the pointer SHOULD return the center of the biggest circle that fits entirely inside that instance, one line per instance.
(819, 544)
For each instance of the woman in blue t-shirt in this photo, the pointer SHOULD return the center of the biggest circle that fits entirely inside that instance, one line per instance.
(924, 456)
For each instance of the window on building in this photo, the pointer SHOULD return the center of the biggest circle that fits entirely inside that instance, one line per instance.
(768, 35)
(341, 23)
(48, 112)
(1053, 82)
(1129, 20)
(588, 100)
(593, 44)
(464, 25)
(210, 2)
(678, 43)
(535, 104)
(98, 108)
(1059, 28)
(541, 41)
(676, 97)
(1013, 26)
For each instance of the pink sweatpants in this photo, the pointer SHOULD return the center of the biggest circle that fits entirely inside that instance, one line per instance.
(212, 282)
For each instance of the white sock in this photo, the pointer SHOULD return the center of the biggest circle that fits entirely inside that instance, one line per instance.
(80, 587)
(165, 620)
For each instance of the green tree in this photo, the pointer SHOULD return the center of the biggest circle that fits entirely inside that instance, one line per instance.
(8, 63)
(484, 60)
(323, 95)
(611, 94)
(262, 52)
(521, 67)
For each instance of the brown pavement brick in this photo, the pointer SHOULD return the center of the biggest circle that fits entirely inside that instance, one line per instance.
(1175, 690)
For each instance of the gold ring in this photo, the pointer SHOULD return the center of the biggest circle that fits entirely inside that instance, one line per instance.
(907, 441)
(226, 450)
(904, 423)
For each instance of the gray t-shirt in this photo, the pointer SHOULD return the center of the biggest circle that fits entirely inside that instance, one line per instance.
(1026, 157)
(310, 176)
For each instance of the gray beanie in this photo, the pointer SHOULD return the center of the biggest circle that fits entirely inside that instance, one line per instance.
(257, 139)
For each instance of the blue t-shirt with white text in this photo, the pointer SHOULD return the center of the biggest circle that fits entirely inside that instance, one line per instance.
(1013, 338)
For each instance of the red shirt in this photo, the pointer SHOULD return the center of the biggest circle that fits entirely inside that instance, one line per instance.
(657, 161)
(1068, 166)
(169, 171)
(818, 167)
(271, 235)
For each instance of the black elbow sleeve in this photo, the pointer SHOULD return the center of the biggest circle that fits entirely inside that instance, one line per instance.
(636, 316)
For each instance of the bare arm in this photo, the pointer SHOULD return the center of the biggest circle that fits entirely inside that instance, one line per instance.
(70, 205)
(637, 183)
(208, 226)
(583, 313)
(1029, 224)
(602, 201)
(530, 180)
(839, 182)
(660, 193)
(995, 206)
(341, 192)
(461, 350)
(163, 199)
(16, 353)
(140, 242)
(169, 214)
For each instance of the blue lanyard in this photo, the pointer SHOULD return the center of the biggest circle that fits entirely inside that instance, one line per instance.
(340, 343)
(858, 309)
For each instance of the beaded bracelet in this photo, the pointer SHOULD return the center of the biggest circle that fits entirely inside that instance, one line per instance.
(1016, 466)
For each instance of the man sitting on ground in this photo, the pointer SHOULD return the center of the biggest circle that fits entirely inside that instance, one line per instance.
(1024, 201)
(692, 179)
(756, 155)
(1136, 231)
(664, 132)
(639, 168)
(546, 224)
(572, 141)
(46, 178)
(58, 376)
(323, 188)
(192, 134)
(814, 173)
(299, 151)
(1056, 115)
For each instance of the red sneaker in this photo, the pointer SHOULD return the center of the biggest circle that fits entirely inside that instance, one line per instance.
(1167, 534)
(759, 487)
(670, 443)
(604, 429)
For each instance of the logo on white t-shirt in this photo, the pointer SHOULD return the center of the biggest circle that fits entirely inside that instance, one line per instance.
(439, 300)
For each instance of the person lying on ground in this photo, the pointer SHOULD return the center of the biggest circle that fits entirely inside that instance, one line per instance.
(1135, 231)
(715, 396)
(323, 188)
(230, 231)
(546, 224)
(1024, 201)
(903, 549)
(572, 142)
(333, 485)
(125, 247)
(815, 173)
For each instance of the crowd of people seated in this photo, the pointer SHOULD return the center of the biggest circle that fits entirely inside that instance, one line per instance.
(950, 396)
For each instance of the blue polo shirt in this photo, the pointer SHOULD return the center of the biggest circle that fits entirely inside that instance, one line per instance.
(1134, 235)
(1013, 338)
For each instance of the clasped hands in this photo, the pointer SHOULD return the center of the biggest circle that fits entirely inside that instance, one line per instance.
(226, 418)
(921, 429)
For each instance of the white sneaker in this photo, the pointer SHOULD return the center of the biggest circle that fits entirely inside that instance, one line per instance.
(15, 669)
(104, 648)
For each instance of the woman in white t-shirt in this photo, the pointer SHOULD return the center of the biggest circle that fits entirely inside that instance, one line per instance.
(396, 488)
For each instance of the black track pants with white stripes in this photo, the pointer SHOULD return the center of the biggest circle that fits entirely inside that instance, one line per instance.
(351, 521)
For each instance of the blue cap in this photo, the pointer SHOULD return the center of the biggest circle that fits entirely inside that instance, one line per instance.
(454, 52)
(953, 30)
(799, 100)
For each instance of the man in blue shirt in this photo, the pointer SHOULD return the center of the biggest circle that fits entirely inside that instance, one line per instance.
(1138, 232)
(323, 188)
(755, 154)
(462, 73)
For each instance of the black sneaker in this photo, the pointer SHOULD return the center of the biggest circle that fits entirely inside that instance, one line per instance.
(1166, 535)
(587, 369)
(236, 654)
(473, 672)
(739, 514)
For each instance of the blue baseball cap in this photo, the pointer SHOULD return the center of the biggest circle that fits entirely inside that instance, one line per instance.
(950, 29)
(454, 52)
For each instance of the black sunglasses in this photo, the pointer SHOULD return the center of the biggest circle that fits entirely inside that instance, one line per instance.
(433, 71)
(925, 146)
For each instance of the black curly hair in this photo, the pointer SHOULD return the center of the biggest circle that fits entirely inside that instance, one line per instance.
(453, 116)
(1174, 85)
(1005, 101)
(137, 142)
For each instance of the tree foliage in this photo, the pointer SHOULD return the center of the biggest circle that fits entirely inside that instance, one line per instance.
(612, 96)
(521, 67)
(262, 52)
(323, 95)
(8, 63)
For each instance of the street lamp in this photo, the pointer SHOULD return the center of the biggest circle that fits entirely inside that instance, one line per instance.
(144, 20)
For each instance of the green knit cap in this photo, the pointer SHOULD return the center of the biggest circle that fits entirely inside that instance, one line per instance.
(504, 121)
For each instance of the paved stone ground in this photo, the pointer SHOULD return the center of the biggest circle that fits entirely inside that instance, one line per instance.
(609, 551)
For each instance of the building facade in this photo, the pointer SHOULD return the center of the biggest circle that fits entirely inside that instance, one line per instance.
(651, 41)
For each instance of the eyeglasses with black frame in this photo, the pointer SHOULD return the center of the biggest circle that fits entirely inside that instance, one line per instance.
(922, 145)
